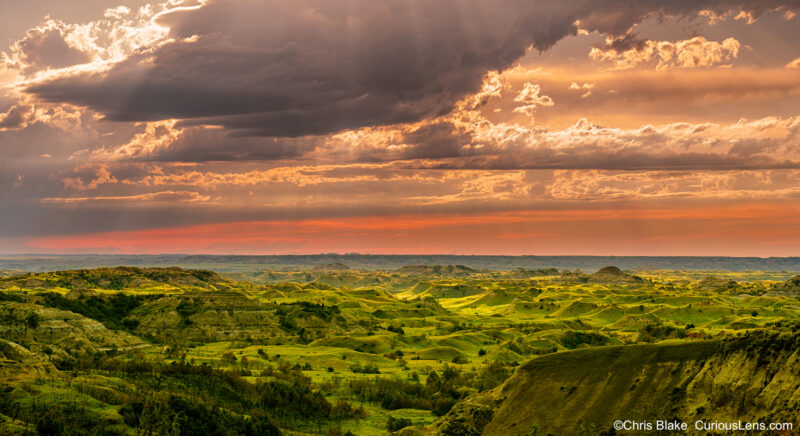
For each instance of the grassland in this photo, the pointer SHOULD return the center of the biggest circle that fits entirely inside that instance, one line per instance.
(331, 350)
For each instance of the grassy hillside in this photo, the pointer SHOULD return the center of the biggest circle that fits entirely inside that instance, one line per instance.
(334, 350)
(751, 378)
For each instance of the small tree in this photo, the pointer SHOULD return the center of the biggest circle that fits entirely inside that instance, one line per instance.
(32, 320)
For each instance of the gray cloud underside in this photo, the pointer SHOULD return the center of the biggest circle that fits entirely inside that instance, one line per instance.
(294, 68)
(201, 145)
(46, 48)
(624, 160)
(750, 154)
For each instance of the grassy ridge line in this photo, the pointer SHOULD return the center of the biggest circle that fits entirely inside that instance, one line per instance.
(117, 278)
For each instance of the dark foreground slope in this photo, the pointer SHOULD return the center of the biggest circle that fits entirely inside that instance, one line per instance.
(753, 378)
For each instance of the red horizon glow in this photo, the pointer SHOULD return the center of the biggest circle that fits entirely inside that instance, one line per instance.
(623, 232)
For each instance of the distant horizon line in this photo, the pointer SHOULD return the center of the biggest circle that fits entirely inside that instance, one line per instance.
(392, 254)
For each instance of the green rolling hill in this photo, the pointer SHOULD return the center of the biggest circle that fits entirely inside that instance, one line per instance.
(425, 350)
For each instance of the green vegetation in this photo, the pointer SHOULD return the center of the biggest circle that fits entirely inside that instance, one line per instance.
(111, 311)
(423, 349)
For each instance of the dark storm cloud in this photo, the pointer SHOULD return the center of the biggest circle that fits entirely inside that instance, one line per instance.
(627, 42)
(204, 145)
(435, 141)
(293, 68)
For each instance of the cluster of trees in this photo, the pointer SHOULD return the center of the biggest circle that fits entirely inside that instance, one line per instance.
(573, 339)
(289, 395)
(164, 415)
(175, 415)
(396, 329)
(24, 318)
(394, 423)
(60, 419)
(111, 310)
(186, 399)
(9, 296)
(783, 336)
(368, 368)
(438, 393)
(305, 309)
(185, 309)
(653, 332)
(289, 313)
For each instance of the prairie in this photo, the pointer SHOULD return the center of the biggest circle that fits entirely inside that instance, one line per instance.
(417, 350)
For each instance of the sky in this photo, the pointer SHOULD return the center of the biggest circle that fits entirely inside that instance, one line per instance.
(547, 127)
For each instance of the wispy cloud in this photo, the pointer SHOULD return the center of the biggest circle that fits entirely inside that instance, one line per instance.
(164, 196)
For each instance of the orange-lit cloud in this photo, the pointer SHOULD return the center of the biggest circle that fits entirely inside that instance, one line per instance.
(164, 196)
(633, 97)
(530, 99)
(696, 52)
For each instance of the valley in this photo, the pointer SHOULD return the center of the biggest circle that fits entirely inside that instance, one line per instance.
(420, 349)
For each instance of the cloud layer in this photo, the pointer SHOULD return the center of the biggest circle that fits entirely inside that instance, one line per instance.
(403, 125)
(293, 68)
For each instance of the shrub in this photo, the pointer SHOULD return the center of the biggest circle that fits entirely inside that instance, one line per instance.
(369, 368)
(394, 424)
(395, 329)
(130, 324)
(573, 339)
